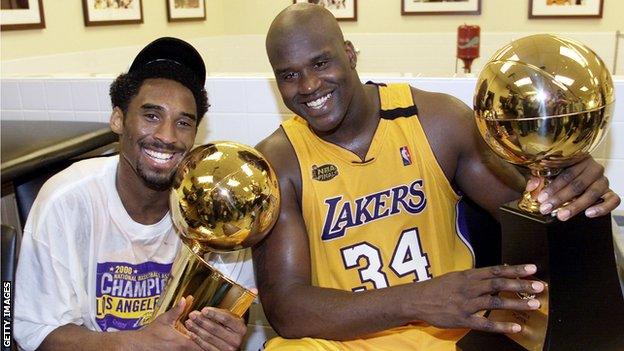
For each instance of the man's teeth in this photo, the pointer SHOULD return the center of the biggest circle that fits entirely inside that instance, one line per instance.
(159, 156)
(318, 103)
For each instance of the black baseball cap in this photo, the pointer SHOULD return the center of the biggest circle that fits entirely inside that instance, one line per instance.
(173, 50)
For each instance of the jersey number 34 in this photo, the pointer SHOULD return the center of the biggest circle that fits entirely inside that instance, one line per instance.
(408, 258)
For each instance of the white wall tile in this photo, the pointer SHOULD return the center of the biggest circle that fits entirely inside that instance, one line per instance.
(61, 115)
(11, 115)
(226, 95)
(35, 115)
(9, 95)
(614, 170)
(225, 126)
(619, 99)
(461, 88)
(84, 95)
(614, 142)
(33, 95)
(263, 96)
(105, 116)
(103, 96)
(262, 125)
(58, 94)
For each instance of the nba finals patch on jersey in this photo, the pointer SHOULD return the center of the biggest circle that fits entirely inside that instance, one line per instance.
(405, 155)
(126, 293)
(324, 172)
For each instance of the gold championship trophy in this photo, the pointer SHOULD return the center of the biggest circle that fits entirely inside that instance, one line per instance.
(544, 102)
(225, 197)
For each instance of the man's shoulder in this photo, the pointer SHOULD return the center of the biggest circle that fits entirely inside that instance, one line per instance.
(279, 151)
(92, 168)
(448, 125)
(441, 113)
(78, 177)
(274, 142)
(67, 196)
(439, 103)
(96, 164)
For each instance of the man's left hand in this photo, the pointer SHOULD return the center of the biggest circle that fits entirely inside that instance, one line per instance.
(216, 329)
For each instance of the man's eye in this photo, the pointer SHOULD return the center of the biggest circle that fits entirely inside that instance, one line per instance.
(185, 124)
(151, 116)
(320, 64)
(289, 76)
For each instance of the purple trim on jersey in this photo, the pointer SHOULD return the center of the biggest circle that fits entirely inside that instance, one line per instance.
(126, 293)
(461, 227)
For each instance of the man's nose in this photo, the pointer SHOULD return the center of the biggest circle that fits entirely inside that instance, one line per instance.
(309, 83)
(166, 132)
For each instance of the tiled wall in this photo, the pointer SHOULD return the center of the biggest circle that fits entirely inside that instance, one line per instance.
(244, 109)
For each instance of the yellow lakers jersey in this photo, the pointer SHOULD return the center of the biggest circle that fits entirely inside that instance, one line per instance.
(386, 220)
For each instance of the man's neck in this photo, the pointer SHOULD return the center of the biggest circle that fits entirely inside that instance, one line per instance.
(144, 205)
(359, 125)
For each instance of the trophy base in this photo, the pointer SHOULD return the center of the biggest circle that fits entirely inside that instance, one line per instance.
(576, 260)
(483, 341)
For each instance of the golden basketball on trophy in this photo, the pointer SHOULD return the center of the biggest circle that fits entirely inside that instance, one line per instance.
(225, 197)
(544, 102)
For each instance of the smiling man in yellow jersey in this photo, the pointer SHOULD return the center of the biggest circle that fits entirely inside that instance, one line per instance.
(366, 254)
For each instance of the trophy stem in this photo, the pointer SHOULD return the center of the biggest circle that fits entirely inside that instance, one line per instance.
(529, 202)
(202, 285)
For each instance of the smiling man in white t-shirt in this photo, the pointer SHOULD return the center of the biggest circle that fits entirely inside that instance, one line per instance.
(99, 242)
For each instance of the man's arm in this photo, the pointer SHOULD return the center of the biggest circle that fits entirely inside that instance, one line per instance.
(158, 335)
(463, 155)
(298, 309)
(210, 329)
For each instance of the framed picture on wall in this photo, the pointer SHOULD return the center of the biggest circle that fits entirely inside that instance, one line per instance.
(565, 8)
(343, 10)
(21, 14)
(186, 10)
(440, 7)
(111, 12)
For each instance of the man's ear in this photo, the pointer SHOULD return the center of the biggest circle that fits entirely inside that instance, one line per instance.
(116, 121)
(351, 54)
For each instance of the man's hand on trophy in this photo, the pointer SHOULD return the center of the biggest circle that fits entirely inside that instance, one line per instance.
(161, 333)
(583, 185)
(457, 299)
(216, 329)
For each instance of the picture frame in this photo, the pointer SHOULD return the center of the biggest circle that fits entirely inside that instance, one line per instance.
(24, 17)
(440, 7)
(565, 8)
(186, 10)
(112, 12)
(343, 10)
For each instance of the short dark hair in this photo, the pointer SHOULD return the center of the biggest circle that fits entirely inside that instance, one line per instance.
(126, 86)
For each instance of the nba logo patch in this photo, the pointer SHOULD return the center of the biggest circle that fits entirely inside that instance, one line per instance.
(405, 156)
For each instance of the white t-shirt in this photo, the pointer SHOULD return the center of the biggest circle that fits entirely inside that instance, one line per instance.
(83, 260)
